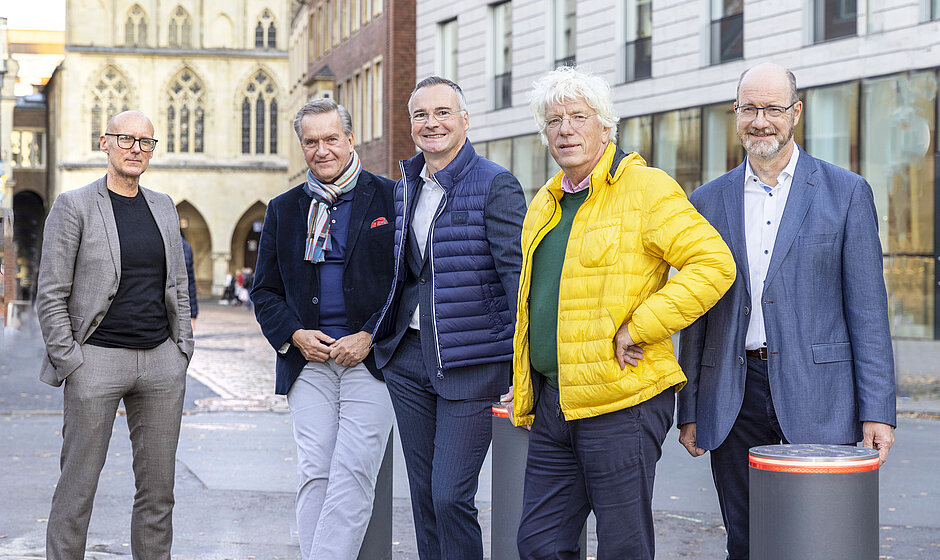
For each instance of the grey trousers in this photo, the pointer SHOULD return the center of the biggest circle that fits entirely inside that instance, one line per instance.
(151, 383)
(342, 418)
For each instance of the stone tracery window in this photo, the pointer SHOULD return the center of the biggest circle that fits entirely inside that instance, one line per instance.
(266, 31)
(110, 96)
(135, 27)
(259, 115)
(180, 31)
(186, 113)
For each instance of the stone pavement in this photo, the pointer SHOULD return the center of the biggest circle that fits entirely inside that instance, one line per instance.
(234, 360)
(236, 465)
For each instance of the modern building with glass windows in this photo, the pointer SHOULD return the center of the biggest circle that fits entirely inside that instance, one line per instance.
(867, 71)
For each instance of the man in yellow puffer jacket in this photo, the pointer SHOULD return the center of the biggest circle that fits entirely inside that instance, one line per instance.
(595, 374)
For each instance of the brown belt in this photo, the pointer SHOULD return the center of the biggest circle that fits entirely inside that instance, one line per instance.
(759, 353)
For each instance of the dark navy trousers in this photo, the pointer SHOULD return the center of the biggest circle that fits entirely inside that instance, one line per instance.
(755, 425)
(606, 464)
(444, 443)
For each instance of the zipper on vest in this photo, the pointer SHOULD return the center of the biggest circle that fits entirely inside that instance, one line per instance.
(430, 249)
(398, 256)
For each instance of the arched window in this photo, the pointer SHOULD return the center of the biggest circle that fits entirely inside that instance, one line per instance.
(259, 115)
(266, 31)
(181, 29)
(185, 115)
(272, 108)
(110, 96)
(259, 36)
(135, 27)
(246, 126)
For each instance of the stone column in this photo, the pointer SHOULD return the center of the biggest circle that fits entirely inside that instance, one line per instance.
(221, 265)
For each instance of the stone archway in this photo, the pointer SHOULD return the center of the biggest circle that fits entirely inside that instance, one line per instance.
(28, 217)
(245, 237)
(196, 230)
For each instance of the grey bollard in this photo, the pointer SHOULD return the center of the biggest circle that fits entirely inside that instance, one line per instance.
(813, 502)
(377, 543)
(510, 448)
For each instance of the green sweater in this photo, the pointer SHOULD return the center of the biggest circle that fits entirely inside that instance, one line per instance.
(547, 261)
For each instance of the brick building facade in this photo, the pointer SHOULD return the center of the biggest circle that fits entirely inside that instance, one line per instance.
(361, 53)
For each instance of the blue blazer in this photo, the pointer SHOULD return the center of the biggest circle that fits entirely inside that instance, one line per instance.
(286, 288)
(830, 362)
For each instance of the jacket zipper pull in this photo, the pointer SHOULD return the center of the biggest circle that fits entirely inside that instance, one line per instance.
(440, 373)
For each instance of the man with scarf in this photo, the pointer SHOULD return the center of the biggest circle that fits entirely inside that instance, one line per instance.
(323, 273)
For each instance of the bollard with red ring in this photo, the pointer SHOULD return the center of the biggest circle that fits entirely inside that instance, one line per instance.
(510, 448)
(813, 502)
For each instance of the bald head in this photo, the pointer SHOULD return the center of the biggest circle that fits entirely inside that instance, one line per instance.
(769, 76)
(132, 118)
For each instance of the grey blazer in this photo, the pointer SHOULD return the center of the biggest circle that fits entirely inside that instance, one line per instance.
(81, 268)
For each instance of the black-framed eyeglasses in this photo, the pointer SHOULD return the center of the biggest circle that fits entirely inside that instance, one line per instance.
(126, 142)
(750, 112)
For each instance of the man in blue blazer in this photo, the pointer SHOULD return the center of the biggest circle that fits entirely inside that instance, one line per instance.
(324, 271)
(798, 350)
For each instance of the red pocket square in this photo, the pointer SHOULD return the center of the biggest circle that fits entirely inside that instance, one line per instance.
(378, 222)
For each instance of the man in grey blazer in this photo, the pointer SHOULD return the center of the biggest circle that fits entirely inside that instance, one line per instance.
(113, 305)
(798, 350)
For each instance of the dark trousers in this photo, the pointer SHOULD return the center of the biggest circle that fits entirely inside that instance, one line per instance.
(444, 443)
(606, 464)
(756, 425)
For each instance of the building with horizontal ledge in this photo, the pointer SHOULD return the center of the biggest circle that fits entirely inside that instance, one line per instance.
(867, 73)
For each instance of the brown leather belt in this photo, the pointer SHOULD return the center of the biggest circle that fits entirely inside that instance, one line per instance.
(760, 353)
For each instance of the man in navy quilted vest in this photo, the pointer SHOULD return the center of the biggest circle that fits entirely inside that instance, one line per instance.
(444, 341)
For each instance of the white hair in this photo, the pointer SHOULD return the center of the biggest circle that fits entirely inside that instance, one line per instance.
(569, 84)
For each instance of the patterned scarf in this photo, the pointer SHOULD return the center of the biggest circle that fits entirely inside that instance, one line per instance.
(324, 195)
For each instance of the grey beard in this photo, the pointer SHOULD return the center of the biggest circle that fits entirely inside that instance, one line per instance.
(765, 150)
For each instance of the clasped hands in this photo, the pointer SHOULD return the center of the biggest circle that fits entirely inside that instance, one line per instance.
(317, 346)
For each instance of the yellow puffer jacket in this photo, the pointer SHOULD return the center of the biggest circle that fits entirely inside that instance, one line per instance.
(634, 224)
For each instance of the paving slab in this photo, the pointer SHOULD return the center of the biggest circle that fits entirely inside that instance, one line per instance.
(236, 465)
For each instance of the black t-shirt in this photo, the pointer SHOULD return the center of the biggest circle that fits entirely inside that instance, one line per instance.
(137, 317)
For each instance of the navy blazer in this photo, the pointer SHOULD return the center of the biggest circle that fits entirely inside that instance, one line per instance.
(830, 362)
(286, 288)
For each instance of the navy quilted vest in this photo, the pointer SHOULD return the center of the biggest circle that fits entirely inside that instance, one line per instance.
(474, 324)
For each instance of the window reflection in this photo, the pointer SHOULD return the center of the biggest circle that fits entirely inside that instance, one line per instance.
(898, 115)
(677, 148)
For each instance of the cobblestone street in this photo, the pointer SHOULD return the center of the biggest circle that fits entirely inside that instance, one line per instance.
(234, 360)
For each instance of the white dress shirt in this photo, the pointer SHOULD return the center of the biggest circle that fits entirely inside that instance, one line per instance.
(429, 199)
(763, 209)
